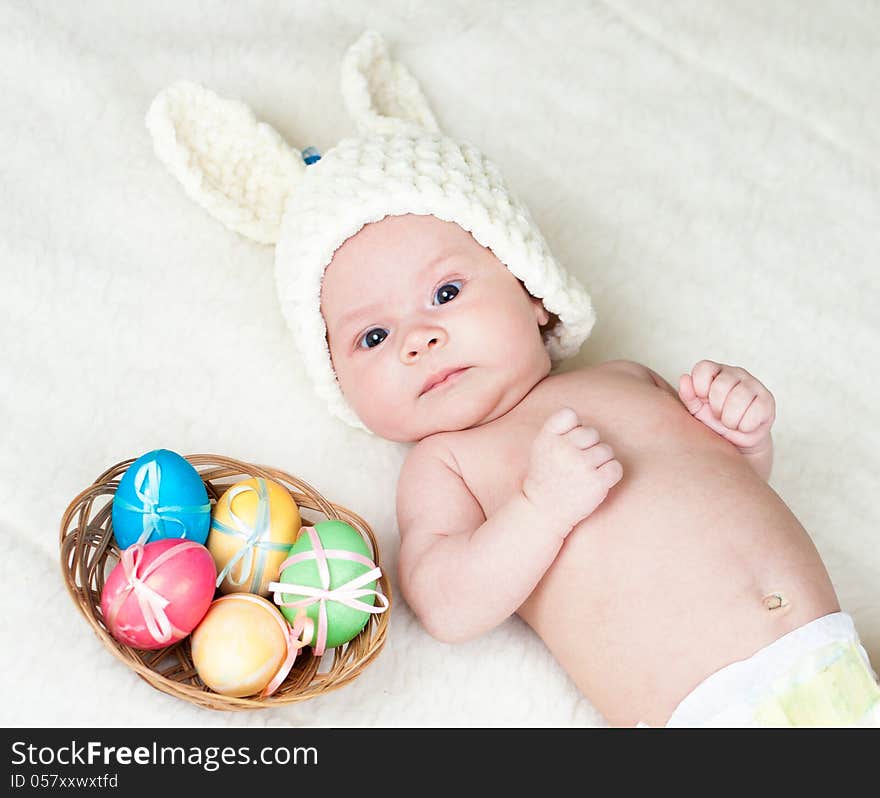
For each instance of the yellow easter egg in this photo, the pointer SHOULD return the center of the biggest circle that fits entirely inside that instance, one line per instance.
(240, 644)
(253, 526)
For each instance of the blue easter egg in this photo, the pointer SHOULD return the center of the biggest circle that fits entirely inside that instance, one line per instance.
(160, 496)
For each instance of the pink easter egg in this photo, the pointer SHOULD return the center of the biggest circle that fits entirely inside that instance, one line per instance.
(158, 592)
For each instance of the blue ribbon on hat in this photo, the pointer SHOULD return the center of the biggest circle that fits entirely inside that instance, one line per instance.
(146, 488)
(255, 537)
(310, 155)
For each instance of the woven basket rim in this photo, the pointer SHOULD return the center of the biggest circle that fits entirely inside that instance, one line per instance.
(87, 544)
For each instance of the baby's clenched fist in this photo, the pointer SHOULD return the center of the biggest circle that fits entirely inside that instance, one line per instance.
(570, 470)
(731, 402)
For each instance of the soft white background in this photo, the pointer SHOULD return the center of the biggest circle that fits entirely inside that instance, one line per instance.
(708, 169)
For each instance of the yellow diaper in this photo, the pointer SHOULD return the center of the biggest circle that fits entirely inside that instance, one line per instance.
(818, 675)
(830, 687)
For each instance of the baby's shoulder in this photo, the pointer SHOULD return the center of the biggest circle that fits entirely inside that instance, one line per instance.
(630, 367)
(430, 485)
(608, 369)
(437, 447)
(641, 372)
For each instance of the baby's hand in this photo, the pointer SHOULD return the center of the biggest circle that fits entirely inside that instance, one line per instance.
(729, 401)
(570, 471)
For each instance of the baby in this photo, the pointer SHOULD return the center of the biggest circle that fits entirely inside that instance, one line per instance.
(628, 523)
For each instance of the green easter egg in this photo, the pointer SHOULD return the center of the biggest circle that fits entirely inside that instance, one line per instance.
(343, 622)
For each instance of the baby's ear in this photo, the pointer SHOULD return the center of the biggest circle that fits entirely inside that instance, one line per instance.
(541, 313)
(380, 94)
(238, 169)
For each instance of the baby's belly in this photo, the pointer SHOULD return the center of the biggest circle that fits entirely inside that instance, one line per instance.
(673, 577)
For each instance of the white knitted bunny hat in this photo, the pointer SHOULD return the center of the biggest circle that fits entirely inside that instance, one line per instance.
(245, 175)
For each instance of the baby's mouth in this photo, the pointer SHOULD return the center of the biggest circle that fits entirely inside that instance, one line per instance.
(448, 379)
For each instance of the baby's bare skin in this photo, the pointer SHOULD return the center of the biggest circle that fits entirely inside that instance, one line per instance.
(671, 577)
(647, 552)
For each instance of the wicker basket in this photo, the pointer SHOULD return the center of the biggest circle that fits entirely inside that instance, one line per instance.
(88, 551)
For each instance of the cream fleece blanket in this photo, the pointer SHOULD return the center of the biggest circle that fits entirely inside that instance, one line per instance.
(708, 169)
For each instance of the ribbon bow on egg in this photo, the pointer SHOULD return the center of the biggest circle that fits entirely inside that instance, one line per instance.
(297, 636)
(348, 594)
(255, 537)
(146, 487)
(152, 604)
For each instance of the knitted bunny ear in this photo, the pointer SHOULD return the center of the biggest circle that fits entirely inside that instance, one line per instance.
(380, 94)
(239, 170)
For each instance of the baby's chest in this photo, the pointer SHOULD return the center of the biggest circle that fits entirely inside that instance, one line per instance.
(632, 415)
(498, 473)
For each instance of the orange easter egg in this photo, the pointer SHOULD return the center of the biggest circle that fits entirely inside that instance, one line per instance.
(253, 526)
(240, 645)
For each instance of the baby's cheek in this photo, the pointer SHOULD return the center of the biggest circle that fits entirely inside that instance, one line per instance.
(356, 383)
(512, 337)
(377, 398)
(353, 384)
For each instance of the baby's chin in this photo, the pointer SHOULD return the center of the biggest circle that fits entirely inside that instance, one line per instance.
(449, 416)
(417, 428)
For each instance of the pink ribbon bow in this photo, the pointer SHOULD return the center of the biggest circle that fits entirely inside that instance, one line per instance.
(298, 637)
(348, 594)
(152, 604)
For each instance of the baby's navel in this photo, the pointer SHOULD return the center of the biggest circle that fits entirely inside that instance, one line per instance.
(774, 601)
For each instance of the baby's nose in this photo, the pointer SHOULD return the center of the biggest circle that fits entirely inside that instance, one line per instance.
(420, 341)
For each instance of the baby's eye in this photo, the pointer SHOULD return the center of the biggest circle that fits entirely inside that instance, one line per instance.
(447, 292)
(373, 338)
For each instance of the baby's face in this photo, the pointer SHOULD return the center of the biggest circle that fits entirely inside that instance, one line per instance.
(410, 296)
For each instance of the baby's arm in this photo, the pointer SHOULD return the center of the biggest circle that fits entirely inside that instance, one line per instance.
(731, 402)
(462, 574)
